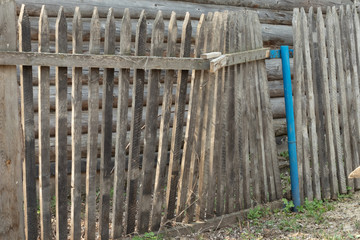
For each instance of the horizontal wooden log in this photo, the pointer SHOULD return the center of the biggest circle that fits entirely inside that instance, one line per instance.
(269, 15)
(274, 4)
(274, 68)
(273, 35)
(102, 61)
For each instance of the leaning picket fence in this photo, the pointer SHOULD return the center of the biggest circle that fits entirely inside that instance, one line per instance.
(327, 100)
(222, 151)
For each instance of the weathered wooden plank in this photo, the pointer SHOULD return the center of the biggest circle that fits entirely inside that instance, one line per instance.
(27, 119)
(103, 61)
(271, 160)
(310, 102)
(230, 146)
(61, 122)
(44, 131)
(135, 132)
(355, 94)
(147, 176)
(193, 133)
(76, 132)
(242, 109)
(327, 111)
(314, 46)
(299, 79)
(176, 181)
(201, 129)
(334, 101)
(272, 4)
(106, 129)
(344, 119)
(238, 57)
(121, 130)
(307, 184)
(93, 121)
(270, 15)
(160, 175)
(11, 150)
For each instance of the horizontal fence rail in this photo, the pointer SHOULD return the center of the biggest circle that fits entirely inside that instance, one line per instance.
(213, 154)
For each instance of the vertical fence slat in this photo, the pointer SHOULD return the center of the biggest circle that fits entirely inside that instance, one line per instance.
(209, 155)
(77, 45)
(160, 175)
(177, 133)
(357, 42)
(44, 135)
(310, 102)
(27, 118)
(135, 131)
(193, 122)
(326, 100)
(242, 114)
(93, 121)
(11, 137)
(311, 108)
(201, 128)
(106, 128)
(121, 130)
(299, 78)
(307, 178)
(259, 129)
(344, 120)
(272, 166)
(354, 86)
(230, 142)
(61, 124)
(334, 101)
(157, 39)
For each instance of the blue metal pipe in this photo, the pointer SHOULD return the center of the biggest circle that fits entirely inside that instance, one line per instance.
(294, 176)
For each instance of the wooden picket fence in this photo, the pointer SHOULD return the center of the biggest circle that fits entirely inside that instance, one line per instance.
(222, 155)
(327, 100)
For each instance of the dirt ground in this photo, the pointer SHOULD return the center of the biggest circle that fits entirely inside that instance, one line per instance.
(338, 219)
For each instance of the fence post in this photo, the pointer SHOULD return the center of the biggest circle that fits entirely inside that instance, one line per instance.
(11, 200)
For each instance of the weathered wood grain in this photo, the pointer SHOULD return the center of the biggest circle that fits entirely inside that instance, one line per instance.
(334, 100)
(160, 175)
(106, 129)
(93, 121)
(44, 131)
(135, 131)
(11, 138)
(147, 176)
(61, 190)
(201, 129)
(27, 119)
(334, 190)
(121, 130)
(344, 119)
(310, 102)
(76, 132)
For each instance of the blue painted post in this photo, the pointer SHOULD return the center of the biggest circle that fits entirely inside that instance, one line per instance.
(294, 176)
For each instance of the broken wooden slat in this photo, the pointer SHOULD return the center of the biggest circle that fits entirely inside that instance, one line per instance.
(160, 175)
(135, 131)
(27, 119)
(93, 121)
(44, 131)
(121, 130)
(106, 129)
(61, 122)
